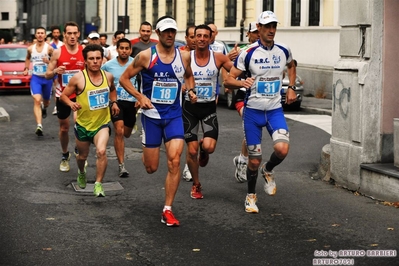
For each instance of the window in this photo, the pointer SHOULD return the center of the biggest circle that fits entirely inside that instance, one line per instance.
(191, 13)
(314, 12)
(5, 16)
(143, 2)
(231, 11)
(295, 12)
(268, 5)
(170, 8)
(209, 11)
(154, 11)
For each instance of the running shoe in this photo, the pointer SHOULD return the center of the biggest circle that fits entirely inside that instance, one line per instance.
(54, 110)
(64, 165)
(169, 219)
(98, 190)
(270, 185)
(241, 170)
(122, 171)
(81, 180)
(250, 203)
(44, 110)
(196, 192)
(39, 131)
(203, 156)
(186, 174)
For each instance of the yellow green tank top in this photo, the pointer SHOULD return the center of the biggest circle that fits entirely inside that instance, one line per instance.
(94, 101)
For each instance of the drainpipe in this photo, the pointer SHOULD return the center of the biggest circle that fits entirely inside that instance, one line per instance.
(242, 20)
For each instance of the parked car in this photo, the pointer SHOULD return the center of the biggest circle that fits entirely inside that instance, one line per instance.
(12, 64)
(179, 43)
(229, 96)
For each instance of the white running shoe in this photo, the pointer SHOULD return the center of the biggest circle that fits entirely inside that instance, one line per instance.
(270, 184)
(186, 174)
(64, 165)
(122, 171)
(250, 203)
(241, 170)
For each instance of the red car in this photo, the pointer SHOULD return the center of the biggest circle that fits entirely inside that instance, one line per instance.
(12, 64)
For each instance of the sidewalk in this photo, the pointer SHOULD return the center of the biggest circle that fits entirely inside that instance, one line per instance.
(316, 105)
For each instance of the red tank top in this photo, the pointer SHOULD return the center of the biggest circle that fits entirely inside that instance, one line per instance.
(73, 63)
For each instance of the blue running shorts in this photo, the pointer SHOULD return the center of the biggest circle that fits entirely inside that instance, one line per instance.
(154, 130)
(254, 120)
(41, 85)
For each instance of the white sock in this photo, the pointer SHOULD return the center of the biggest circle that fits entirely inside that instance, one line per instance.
(167, 208)
(243, 158)
(39, 125)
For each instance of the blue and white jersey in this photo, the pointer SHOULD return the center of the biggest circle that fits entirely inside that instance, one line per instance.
(39, 67)
(217, 47)
(206, 78)
(161, 83)
(266, 66)
(58, 45)
(116, 70)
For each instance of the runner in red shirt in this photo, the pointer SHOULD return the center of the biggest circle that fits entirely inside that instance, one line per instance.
(65, 62)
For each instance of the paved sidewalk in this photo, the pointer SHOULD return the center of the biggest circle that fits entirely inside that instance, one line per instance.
(316, 105)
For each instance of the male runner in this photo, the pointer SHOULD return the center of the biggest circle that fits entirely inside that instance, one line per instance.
(65, 62)
(95, 94)
(205, 65)
(163, 69)
(39, 54)
(126, 119)
(264, 63)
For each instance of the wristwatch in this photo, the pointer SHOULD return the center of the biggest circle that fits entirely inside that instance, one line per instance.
(293, 87)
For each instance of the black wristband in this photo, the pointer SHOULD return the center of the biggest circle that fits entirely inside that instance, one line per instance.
(112, 103)
(191, 90)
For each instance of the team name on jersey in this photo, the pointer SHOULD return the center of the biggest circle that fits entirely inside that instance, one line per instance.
(208, 72)
(276, 60)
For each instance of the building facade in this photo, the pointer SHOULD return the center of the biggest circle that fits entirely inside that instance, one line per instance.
(365, 101)
(309, 27)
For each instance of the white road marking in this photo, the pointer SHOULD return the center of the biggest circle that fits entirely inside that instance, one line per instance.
(321, 121)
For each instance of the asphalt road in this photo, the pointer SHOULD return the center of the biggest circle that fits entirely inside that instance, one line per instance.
(44, 221)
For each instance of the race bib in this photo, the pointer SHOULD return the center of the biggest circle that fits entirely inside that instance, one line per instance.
(39, 69)
(123, 94)
(267, 88)
(98, 99)
(67, 76)
(164, 92)
(204, 90)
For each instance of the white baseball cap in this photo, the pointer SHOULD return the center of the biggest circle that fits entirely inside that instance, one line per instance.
(166, 23)
(267, 17)
(94, 35)
(252, 27)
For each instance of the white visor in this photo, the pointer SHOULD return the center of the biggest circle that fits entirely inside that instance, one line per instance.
(167, 23)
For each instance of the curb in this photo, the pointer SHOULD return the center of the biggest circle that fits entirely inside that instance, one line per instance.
(4, 116)
(312, 110)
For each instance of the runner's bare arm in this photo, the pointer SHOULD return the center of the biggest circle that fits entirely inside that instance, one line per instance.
(52, 65)
(27, 60)
(112, 95)
(75, 85)
(233, 83)
(140, 62)
(189, 78)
